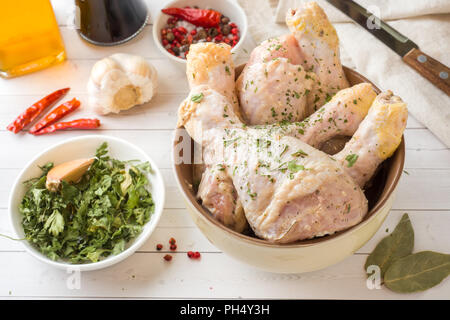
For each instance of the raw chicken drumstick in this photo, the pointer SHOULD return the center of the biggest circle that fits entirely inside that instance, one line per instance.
(376, 139)
(290, 77)
(216, 190)
(273, 85)
(212, 65)
(319, 46)
(275, 176)
(289, 190)
(210, 72)
(339, 117)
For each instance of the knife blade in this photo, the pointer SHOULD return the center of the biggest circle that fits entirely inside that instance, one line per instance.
(436, 72)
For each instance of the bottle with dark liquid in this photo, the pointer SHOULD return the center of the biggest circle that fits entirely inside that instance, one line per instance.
(111, 22)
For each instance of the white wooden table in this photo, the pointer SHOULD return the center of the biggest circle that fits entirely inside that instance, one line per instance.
(424, 192)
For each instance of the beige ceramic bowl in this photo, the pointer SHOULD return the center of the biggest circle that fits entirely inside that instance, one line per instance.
(301, 256)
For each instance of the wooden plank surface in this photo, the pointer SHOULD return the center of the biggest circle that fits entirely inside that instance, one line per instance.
(423, 192)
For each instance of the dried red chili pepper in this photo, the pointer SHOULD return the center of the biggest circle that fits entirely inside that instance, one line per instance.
(35, 110)
(75, 124)
(56, 114)
(199, 17)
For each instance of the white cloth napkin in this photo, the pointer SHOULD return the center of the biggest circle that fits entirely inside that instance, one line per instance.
(427, 23)
(388, 9)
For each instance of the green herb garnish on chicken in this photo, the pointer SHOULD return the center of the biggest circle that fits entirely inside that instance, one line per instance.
(93, 218)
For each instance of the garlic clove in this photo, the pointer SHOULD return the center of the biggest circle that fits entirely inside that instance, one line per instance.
(70, 171)
(101, 68)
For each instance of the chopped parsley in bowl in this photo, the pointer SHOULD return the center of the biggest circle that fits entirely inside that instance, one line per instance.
(95, 221)
(90, 219)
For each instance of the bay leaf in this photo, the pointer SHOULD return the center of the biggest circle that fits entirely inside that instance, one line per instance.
(396, 245)
(417, 272)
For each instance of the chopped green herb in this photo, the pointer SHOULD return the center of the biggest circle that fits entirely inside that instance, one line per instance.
(294, 167)
(300, 153)
(250, 193)
(286, 147)
(226, 143)
(351, 159)
(274, 114)
(197, 98)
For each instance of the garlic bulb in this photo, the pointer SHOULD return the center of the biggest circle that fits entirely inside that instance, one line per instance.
(120, 82)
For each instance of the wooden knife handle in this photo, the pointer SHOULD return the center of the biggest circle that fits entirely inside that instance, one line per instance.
(437, 73)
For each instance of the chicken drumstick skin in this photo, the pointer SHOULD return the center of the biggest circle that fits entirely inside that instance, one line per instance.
(319, 44)
(291, 76)
(274, 86)
(376, 139)
(274, 91)
(339, 117)
(210, 72)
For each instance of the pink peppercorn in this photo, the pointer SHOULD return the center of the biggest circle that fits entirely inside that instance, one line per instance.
(167, 257)
(193, 255)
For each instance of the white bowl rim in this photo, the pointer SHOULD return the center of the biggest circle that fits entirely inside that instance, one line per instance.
(159, 15)
(110, 260)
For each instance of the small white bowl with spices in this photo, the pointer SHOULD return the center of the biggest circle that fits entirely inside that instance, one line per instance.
(79, 148)
(173, 37)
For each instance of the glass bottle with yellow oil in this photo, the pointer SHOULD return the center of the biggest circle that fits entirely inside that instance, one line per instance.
(29, 37)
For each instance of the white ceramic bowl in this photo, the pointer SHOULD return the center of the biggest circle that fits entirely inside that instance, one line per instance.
(229, 8)
(81, 147)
